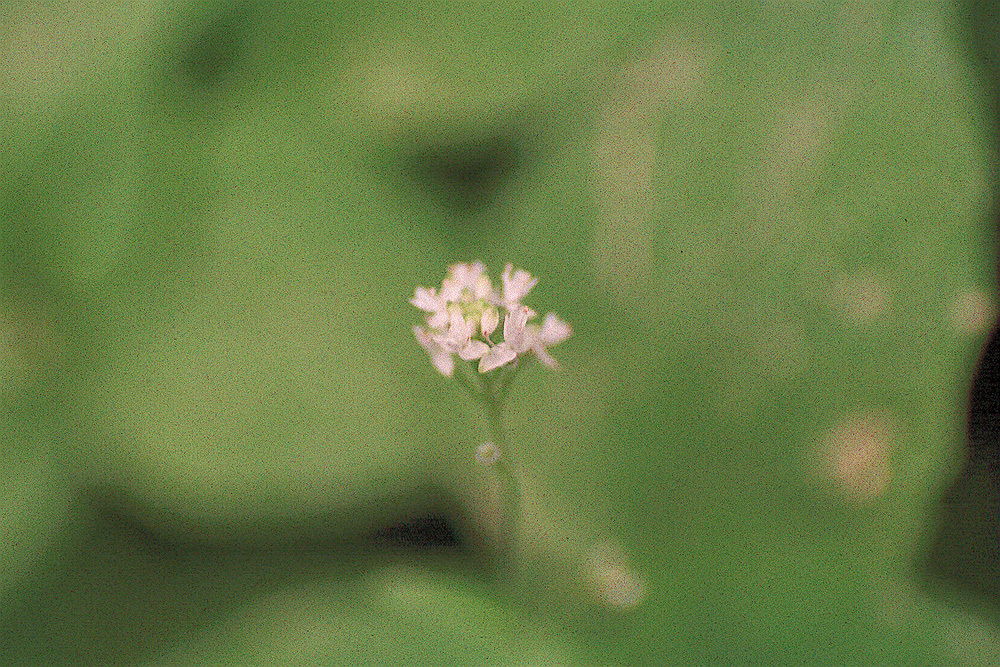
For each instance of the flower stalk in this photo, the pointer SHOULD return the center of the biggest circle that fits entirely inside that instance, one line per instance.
(505, 462)
(463, 317)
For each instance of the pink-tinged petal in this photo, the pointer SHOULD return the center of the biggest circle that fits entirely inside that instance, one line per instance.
(444, 363)
(513, 329)
(423, 338)
(438, 319)
(444, 338)
(544, 356)
(474, 350)
(456, 321)
(516, 287)
(458, 334)
(498, 355)
(488, 323)
(554, 330)
(451, 289)
(440, 357)
(427, 299)
(466, 275)
(476, 269)
(458, 273)
(483, 288)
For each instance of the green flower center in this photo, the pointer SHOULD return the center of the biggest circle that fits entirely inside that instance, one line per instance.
(472, 310)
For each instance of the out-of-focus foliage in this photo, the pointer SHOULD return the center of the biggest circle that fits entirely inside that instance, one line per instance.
(766, 223)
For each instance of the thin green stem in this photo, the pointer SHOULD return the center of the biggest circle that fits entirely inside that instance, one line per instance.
(510, 488)
(507, 380)
(492, 398)
(469, 382)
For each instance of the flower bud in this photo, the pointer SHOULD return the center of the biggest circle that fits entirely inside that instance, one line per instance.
(487, 453)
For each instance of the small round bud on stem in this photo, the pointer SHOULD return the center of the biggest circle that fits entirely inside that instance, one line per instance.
(487, 453)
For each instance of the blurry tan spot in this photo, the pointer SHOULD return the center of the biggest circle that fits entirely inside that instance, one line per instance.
(972, 312)
(673, 72)
(404, 86)
(802, 133)
(855, 456)
(626, 154)
(860, 298)
(397, 85)
(611, 580)
(624, 163)
(805, 129)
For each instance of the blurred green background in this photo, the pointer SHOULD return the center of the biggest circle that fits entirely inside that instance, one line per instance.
(770, 225)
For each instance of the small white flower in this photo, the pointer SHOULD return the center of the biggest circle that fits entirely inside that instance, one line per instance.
(488, 324)
(467, 274)
(427, 300)
(459, 337)
(482, 288)
(461, 277)
(499, 354)
(514, 341)
(440, 357)
(514, 329)
(515, 287)
(553, 331)
(461, 317)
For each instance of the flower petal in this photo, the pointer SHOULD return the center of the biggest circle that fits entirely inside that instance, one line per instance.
(498, 355)
(488, 323)
(466, 275)
(423, 337)
(474, 350)
(516, 287)
(459, 332)
(427, 299)
(554, 330)
(482, 288)
(440, 357)
(445, 363)
(544, 356)
(438, 319)
(513, 329)
(451, 289)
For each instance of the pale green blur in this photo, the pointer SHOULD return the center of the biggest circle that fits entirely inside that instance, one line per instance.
(767, 226)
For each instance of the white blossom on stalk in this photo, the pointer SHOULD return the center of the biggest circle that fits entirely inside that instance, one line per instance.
(428, 300)
(461, 278)
(440, 357)
(515, 287)
(487, 453)
(552, 332)
(491, 318)
(513, 342)
(465, 313)
(459, 337)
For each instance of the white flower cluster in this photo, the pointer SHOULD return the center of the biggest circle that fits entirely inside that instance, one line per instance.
(464, 314)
